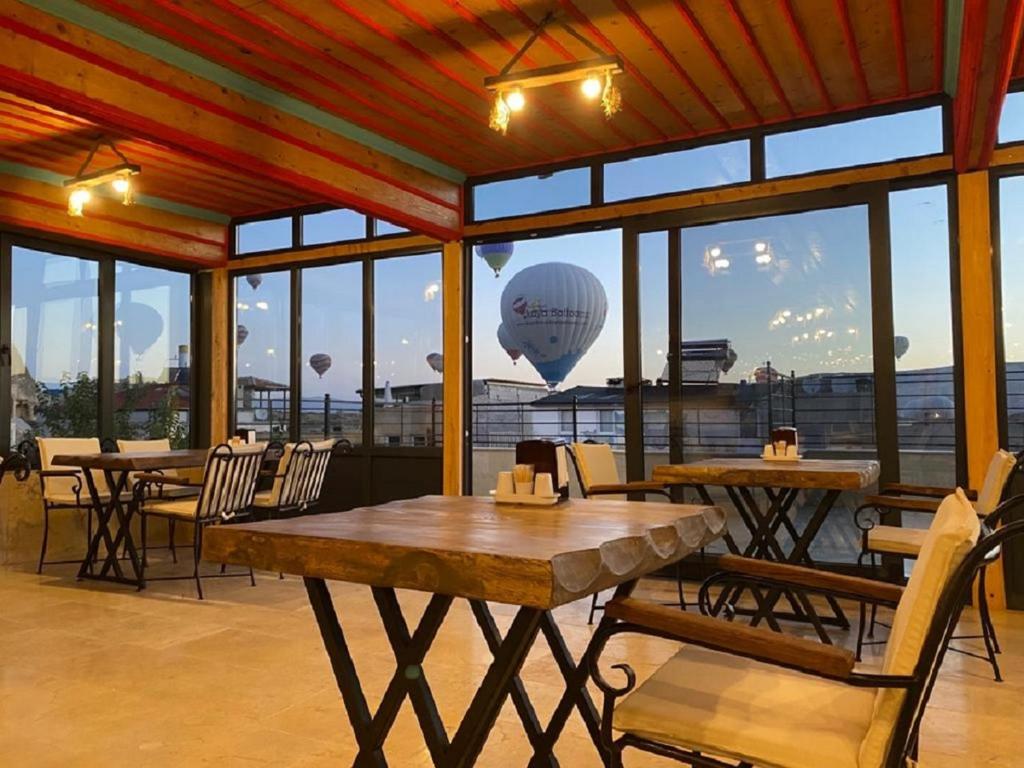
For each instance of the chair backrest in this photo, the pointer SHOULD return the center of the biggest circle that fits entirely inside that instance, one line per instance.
(999, 470)
(303, 479)
(595, 464)
(229, 481)
(953, 533)
(54, 487)
(145, 446)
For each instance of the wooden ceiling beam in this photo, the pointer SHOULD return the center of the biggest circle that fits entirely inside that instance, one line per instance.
(758, 52)
(939, 43)
(56, 62)
(805, 53)
(850, 40)
(900, 41)
(990, 36)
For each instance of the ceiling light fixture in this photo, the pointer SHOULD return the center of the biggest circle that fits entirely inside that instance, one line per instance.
(118, 176)
(595, 75)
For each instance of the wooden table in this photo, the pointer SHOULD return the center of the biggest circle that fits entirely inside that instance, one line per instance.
(472, 548)
(781, 482)
(116, 468)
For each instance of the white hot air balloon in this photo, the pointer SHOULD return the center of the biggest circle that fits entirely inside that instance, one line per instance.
(495, 254)
(553, 313)
(436, 362)
(506, 342)
(901, 344)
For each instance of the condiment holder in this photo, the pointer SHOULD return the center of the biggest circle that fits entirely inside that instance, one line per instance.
(784, 445)
(523, 486)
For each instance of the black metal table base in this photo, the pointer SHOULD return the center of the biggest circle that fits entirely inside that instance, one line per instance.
(114, 510)
(501, 681)
(765, 526)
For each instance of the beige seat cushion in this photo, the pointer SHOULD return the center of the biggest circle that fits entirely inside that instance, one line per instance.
(729, 706)
(65, 486)
(263, 499)
(183, 508)
(597, 466)
(891, 539)
(996, 475)
(70, 500)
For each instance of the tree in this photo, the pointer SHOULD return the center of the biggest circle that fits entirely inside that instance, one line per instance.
(72, 411)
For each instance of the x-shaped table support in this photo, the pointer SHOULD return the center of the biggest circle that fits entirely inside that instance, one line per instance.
(500, 682)
(105, 515)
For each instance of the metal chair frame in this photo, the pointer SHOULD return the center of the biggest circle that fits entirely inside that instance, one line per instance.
(918, 685)
(303, 478)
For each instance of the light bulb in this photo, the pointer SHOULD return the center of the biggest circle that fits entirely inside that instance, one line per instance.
(760, 247)
(121, 184)
(763, 259)
(515, 100)
(77, 199)
(716, 252)
(722, 263)
(592, 87)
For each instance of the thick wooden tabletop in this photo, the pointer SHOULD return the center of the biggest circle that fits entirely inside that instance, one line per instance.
(143, 461)
(472, 547)
(827, 474)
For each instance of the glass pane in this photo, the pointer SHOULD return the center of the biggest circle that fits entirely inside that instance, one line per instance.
(777, 331)
(923, 323)
(1011, 249)
(152, 359)
(654, 346)
(332, 352)
(333, 226)
(531, 194)
(382, 227)
(269, 235)
(858, 142)
(1011, 122)
(407, 345)
(263, 344)
(711, 166)
(54, 329)
(556, 371)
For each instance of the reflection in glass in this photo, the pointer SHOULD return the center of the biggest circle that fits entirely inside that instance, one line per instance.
(654, 346)
(407, 392)
(563, 189)
(333, 226)
(923, 324)
(55, 316)
(1011, 250)
(152, 354)
(332, 349)
(263, 351)
(710, 166)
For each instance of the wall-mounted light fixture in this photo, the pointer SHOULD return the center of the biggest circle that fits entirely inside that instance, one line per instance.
(119, 177)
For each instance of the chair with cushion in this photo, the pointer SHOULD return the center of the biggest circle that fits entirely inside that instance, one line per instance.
(225, 493)
(298, 480)
(65, 488)
(741, 695)
(598, 476)
(905, 543)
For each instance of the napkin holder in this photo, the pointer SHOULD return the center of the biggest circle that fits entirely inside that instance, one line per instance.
(547, 456)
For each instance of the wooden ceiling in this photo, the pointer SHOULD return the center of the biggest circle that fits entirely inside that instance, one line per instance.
(44, 138)
(412, 70)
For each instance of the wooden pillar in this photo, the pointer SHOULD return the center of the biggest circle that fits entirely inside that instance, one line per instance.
(220, 357)
(453, 297)
(977, 308)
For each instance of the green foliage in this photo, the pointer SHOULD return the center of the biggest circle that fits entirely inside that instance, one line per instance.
(73, 411)
(165, 421)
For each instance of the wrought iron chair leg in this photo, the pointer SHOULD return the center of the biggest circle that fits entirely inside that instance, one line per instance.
(593, 609)
(142, 533)
(987, 614)
(46, 535)
(252, 578)
(170, 541)
(986, 626)
(197, 546)
(874, 606)
(860, 629)
(88, 529)
(679, 586)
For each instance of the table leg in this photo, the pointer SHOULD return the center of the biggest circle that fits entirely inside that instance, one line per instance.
(105, 513)
(124, 534)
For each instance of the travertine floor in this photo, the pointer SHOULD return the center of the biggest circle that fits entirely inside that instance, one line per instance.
(95, 676)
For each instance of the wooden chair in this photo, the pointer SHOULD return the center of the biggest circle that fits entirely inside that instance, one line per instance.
(225, 493)
(299, 478)
(64, 488)
(598, 475)
(905, 543)
(740, 695)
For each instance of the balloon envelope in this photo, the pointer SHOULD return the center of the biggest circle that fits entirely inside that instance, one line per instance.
(495, 254)
(320, 363)
(506, 342)
(901, 344)
(436, 362)
(241, 334)
(553, 313)
(139, 325)
(254, 281)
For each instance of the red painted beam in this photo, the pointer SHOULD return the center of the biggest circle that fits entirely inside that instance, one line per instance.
(900, 39)
(939, 45)
(805, 53)
(758, 53)
(850, 40)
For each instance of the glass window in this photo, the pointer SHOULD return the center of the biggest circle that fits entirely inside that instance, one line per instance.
(408, 343)
(333, 226)
(263, 344)
(268, 235)
(923, 324)
(1011, 122)
(55, 330)
(382, 228)
(858, 142)
(1011, 249)
(332, 352)
(152, 355)
(654, 347)
(547, 346)
(710, 166)
(531, 194)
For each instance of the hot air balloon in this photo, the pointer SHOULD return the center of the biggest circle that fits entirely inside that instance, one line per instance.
(138, 325)
(901, 344)
(495, 254)
(505, 340)
(241, 334)
(254, 281)
(436, 362)
(553, 313)
(320, 363)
